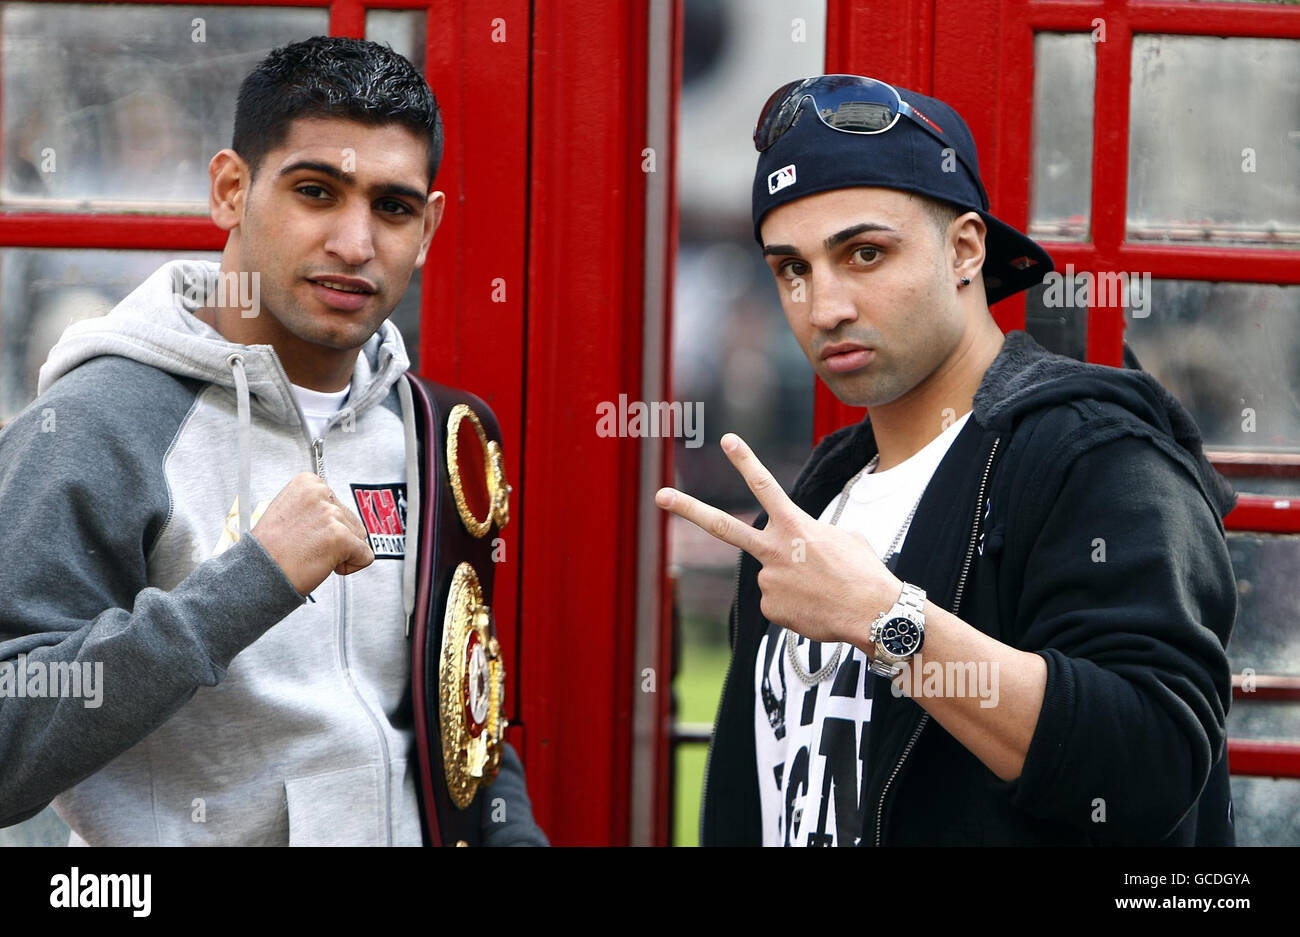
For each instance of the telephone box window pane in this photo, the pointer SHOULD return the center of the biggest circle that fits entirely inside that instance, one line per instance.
(402, 30)
(1214, 141)
(122, 106)
(1228, 352)
(1058, 328)
(42, 292)
(1266, 811)
(1061, 194)
(1265, 639)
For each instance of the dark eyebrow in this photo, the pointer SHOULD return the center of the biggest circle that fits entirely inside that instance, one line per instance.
(832, 242)
(839, 237)
(382, 188)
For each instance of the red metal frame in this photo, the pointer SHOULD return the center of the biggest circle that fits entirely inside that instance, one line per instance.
(110, 232)
(467, 339)
(933, 45)
(586, 261)
(664, 753)
(1263, 759)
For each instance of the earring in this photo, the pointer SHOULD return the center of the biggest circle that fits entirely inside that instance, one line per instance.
(965, 281)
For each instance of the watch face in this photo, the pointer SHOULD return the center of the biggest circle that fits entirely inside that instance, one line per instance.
(901, 637)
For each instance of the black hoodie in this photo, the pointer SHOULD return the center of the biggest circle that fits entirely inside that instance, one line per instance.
(1075, 516)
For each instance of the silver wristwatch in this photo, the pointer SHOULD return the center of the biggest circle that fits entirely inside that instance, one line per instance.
(898, 633)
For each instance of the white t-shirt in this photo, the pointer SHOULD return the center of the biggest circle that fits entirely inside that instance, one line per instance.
(811, 742)
(318, 406)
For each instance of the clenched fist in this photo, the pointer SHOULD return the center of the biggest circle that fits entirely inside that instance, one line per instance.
(310, 534)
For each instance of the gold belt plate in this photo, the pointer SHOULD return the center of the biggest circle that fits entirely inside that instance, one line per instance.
(471, 697)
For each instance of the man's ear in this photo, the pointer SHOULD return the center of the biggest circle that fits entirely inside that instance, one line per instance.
(432, 218)
(968, 232)
(230, 181)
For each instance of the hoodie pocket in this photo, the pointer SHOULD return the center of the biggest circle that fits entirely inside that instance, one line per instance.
(338, 808)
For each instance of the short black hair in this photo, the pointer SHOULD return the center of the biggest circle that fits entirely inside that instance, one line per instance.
(940, 213)
(333, 76)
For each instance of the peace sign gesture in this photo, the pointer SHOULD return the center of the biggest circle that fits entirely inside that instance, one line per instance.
(817, 580)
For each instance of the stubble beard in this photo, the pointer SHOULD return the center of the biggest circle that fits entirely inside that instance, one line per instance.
(868, 389)
(336, 331)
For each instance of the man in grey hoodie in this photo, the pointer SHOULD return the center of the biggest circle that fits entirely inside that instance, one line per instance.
(177, 664)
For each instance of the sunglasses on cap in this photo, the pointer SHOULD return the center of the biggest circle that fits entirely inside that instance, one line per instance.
(848, 104)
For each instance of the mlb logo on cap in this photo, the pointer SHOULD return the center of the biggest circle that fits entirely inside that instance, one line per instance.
(780, 179)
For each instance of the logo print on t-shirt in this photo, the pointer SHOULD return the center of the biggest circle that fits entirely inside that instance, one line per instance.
(383, 512)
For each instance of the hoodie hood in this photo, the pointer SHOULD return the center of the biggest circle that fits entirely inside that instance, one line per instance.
(155, 325)
(1025, 377)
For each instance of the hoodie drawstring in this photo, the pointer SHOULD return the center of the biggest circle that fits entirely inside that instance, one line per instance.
(412, 499)
(236, 364)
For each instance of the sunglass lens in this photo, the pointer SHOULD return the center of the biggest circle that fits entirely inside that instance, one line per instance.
(775, 117)
(844, 102)
(858, 116)
(857, 105)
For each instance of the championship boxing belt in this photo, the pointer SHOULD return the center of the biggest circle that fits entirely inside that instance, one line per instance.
(457, 674)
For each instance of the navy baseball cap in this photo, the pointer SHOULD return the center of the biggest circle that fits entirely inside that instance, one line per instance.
(926, 149)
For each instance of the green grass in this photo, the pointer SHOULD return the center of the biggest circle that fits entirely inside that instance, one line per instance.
(698, 686)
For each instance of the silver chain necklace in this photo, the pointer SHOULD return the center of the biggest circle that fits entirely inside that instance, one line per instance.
(812, 679)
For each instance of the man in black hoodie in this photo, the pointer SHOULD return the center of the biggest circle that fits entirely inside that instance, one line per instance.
(996, 610)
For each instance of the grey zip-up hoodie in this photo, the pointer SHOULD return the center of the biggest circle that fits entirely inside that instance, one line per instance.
(226, 708)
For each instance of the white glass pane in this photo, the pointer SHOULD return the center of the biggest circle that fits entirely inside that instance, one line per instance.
(1266, 811)
(124, 105)
(1060, 329)
(1230, 352)
(1266, 641)
(1265, 638)
(1064, 78)
(42, 292)
(402, 30)
(1214, 145)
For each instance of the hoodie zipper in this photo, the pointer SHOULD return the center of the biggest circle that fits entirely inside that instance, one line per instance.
(318, 455)
(956, 604)
(733, 630)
